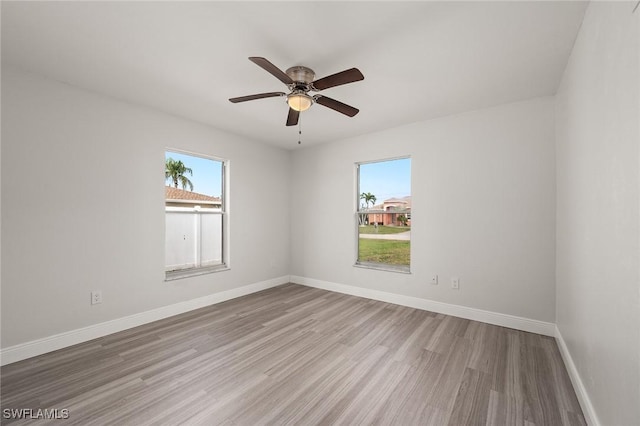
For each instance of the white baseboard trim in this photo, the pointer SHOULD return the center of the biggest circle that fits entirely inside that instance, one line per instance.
(581, 392)
(41, 346)
(504, 320)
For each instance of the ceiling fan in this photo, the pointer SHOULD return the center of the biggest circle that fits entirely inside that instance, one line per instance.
(300, 82)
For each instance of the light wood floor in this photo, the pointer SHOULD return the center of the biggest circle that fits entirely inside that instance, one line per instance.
(298, 355)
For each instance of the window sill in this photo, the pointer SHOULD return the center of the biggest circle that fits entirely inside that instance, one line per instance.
(384, 267)
(186, 273)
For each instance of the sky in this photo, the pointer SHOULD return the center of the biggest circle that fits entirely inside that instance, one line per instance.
(386, 179)
(207, 174)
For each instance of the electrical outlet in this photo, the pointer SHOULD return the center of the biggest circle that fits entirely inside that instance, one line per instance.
(96, 297)
(434, 279)
(455, 283)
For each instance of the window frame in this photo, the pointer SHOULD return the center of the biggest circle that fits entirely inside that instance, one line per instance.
(388, 267)
(224, 213)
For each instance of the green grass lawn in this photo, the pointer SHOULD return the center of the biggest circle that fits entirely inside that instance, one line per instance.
(370, 229)
(392, 252)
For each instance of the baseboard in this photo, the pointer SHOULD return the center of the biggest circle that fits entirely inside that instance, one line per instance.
(581, 392)
(504, 320)
(73, 337)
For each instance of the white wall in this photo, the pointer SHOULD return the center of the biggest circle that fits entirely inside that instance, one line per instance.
(483, 187)
(83, 208)
(598, 284)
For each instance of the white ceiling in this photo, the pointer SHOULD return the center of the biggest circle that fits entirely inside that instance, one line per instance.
(420, 60)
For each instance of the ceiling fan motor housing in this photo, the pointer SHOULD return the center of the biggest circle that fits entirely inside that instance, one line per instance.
(301, 74)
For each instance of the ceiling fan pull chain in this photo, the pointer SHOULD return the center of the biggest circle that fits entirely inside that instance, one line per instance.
(299, 131)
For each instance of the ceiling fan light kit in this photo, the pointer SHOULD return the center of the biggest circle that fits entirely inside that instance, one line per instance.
(300, 81)
(299, 101)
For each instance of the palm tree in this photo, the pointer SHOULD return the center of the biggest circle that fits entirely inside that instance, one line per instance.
(176, 170)
(368, 198)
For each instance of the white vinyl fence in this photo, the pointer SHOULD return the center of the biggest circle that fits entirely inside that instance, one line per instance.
(193, 238)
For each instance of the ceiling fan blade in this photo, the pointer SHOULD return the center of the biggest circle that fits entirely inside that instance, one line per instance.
(258, 96)
(338, 79)
(336, 105)
(292, 118)
(269, 67)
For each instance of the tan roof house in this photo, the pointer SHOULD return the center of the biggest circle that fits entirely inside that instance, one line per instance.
(175, 197)
(395, 206)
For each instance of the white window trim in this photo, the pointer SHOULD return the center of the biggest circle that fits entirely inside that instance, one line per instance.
(401, 269)
(224, 211)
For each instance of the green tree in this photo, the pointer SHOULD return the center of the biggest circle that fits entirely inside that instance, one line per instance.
(403, 219)
(175, 171)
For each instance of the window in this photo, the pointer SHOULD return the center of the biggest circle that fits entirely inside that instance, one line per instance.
(195, 216)
(383, 214)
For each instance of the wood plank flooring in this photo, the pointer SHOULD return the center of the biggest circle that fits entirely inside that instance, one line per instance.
(302, 356)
